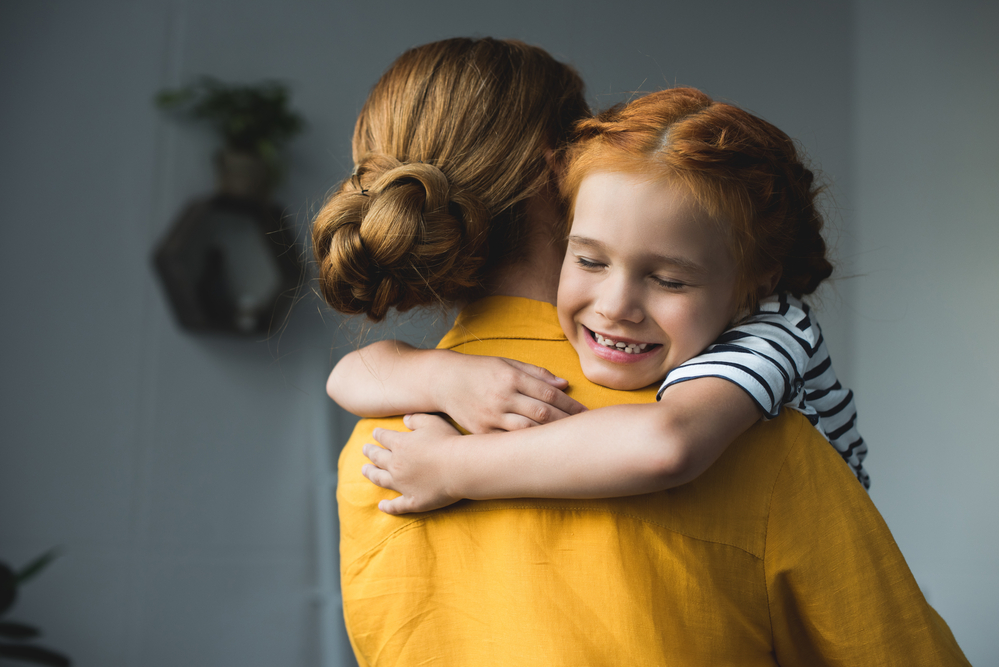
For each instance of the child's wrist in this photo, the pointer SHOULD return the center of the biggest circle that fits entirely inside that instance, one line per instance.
(452, 468)
(441, 366)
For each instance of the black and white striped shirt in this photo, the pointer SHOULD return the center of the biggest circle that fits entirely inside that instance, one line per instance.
(777, 354)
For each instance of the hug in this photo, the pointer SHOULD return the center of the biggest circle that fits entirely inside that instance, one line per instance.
(660, 466)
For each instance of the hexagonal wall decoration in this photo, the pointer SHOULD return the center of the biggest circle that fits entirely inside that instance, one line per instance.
(229, 266)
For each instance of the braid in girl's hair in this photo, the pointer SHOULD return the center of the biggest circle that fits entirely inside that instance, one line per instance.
(805, 263)
(450, 142)
(738, 166)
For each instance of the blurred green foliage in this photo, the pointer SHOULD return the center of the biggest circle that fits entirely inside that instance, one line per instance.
(15, 637)
(255, 119)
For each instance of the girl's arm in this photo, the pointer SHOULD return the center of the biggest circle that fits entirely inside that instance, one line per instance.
(615, 451)
(482, 394)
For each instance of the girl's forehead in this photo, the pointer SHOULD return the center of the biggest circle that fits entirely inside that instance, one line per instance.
(623, 198)
(653, 190)
(648, 219)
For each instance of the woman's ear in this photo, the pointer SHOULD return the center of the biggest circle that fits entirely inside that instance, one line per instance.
(769, 283)
(554, 163)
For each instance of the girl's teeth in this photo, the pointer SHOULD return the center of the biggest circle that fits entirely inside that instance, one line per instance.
(630, 348)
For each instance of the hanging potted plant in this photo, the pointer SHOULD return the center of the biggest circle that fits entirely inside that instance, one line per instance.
(16, 638)
(228, 264)
(254, 123)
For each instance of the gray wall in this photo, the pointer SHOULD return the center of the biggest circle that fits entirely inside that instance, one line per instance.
(178, 472)
(925, 311)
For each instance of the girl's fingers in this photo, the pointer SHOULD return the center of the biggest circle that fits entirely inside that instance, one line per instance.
(535, 411)
(380, 457)
(547, 394)
(420, 420)
(515, 422)
(538, 372)
(377, 476)
(387, 506)
(396, 506)
(384, 437)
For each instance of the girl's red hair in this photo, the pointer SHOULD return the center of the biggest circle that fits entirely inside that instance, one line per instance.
(739, 167)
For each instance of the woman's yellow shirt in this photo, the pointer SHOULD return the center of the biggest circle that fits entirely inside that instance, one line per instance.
(774, 556)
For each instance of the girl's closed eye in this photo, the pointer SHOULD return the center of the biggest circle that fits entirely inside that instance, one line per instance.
(587, 263)
(666, 283)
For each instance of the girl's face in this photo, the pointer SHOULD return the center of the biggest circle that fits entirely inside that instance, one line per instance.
(648, 280)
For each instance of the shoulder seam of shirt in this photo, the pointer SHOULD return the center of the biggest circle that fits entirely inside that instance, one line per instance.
(477, 339)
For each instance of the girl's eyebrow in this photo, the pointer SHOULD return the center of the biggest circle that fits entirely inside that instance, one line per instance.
(676, 260)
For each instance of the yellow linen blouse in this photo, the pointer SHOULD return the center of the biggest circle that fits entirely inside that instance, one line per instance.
(774, 556)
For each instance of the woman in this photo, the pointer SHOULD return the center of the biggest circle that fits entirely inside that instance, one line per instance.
(774, 556)
(451, 196)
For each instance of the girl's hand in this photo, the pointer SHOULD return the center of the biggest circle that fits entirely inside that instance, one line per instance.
(413, 464)
(491, 394)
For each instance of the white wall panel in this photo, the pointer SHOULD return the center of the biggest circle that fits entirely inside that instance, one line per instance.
(927, 299)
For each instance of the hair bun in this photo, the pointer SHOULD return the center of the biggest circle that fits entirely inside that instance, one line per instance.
(397, 235)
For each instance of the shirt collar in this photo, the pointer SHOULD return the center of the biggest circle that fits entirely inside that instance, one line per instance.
(504, 317)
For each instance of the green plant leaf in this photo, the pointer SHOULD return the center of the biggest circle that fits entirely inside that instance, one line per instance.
(35, 654)
(172, 99)
(8, 588)
(14, 630)
(34, 567)
(254, 119)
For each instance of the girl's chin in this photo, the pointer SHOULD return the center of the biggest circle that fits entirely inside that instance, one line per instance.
(617, 378)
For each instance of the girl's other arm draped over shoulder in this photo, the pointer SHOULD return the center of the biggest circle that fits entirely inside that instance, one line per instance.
(615, 451)
(482, 394)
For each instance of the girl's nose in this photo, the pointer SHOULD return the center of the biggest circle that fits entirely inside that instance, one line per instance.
(619, 300)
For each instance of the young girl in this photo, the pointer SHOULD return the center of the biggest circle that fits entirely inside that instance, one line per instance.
(694, 233)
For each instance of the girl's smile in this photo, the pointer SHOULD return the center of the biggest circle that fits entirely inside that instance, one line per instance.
(612, 349)
(648, 280)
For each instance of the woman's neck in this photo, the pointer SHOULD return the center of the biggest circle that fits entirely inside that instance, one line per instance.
(534, 277)
(534, 273)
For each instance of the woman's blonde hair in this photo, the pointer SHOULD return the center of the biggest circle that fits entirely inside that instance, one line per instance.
(450, 142)
(739, 167)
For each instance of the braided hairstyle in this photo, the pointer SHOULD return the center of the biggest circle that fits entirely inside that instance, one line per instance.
(448, 146)
(738, 167)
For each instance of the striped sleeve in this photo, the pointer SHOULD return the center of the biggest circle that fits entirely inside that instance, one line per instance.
(766, 354)
(778, 356)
